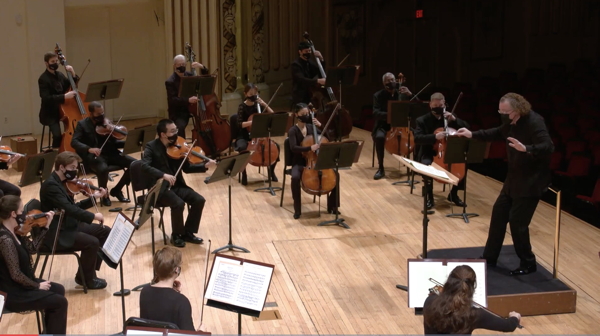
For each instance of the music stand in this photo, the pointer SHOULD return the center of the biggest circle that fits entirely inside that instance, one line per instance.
(199, 86)
(267, 125)
(342, 76)
(110, 89)
(38, 168)
(464, 150)
(336, 155)
(133, 142)
(226, 168)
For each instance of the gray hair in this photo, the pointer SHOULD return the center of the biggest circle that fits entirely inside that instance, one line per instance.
(386, 75)
(178, 57)
(437, 96)
(517, 102)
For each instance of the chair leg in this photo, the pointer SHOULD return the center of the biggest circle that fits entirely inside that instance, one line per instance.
(41, 324)
(162, 226)
(37, 259)
(282, 189)
(315, 199)
(42, 138)
(412, 181)
(373, 156)
(81, 275)
(152, 234)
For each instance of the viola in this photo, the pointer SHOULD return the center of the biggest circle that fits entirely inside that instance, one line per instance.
(6, 153)
(182, 149)
(34, 218)
(400, 140)
(457, 169)
(83, 186)
(119, 132)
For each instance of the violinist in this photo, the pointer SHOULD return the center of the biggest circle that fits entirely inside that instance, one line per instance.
(296, 134)
(452, 311)
(76, 233)
(247, 108)
(425, 138)
(391, 91)
(529, 146)
(89, 146)
(7, 188)
(178, 106)
(305, 73)
(54, 90)
(157, 164)
(24, 291)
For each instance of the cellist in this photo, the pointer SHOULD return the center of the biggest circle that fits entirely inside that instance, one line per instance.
(296, 134)
(389, 92)
(179, 106)
(425, 138)
(54, 90)
(247, 108)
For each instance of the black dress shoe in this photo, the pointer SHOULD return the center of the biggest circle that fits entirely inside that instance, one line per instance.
(430, 204)
(96, 283)
(191, 238)
(379, 174)
(456, 200)
(274, 178)
(177, 240)
(296, 215)
(118, 194)
(244, 178)
(106, 201)
(523, 270)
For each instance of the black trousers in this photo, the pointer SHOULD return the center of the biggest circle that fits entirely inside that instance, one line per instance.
(88, 239)
(379, 139)
(429, 181)
(332, 200)
(56, 134)
(54, 305)
(517, 211)
(181, 121)
(100, 166)
(176, 199)
(7, 188)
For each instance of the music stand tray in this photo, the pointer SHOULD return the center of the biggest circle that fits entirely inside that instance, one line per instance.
(110, 89)
(267, 125)
(38, 168)
(344, 75)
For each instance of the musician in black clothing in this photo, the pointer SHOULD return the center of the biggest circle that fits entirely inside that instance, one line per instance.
(157, 164)
(178, 106)
(247, 108)
(424, 137)
(529, 146)
(7, 188)
(54, 90)
(305, 73)
(296, 134)
(87, 143)
(389, 92)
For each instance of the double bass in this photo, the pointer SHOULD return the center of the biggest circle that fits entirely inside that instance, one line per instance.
(72, 110)
(324, 98)
(457, 169)
(212, 131)
(400, 140)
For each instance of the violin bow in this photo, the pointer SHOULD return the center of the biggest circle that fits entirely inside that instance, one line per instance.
(86, 66)
(184, 158)
(339, 64)
(60, 220)
(204, 281)
(109, 134)
(424, 87)
(90, 193)
(273, 96)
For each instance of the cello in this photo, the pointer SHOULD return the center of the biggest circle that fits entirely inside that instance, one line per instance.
(400, 140)
(262, 146)
(457, 169)
(72, 110)
(212, 131)
(317, 182)
(326, 101)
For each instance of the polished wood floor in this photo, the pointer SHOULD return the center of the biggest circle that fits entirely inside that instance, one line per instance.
(330, 280)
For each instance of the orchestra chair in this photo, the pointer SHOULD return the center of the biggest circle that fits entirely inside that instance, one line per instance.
(287, 162)
(595, 198)
(42, 148)
(43, 251)
(39, 316)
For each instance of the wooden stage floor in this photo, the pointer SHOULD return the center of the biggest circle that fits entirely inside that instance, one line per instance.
(330, 280)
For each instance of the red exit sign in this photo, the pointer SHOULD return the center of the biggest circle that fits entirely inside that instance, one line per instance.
(419, 14)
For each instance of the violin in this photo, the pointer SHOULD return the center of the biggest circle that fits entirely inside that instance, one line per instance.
(182, 150)
(6, 153)
(34, 218)
(117, 131)
(83, 186)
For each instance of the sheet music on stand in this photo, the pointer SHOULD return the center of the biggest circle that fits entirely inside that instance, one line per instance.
(2, 302)
(429, 169)
(118, 238)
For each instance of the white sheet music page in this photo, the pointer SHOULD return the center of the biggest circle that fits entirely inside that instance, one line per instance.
(428, 169)
(2, 302)
(118, 238)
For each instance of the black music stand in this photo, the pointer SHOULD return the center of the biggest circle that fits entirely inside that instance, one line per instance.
(342, 76)
(464, 150)
(199, 86)
(227, 167)
(110, 89)
(38, 168)
(133, 142)
(336, 155)
(267, 125)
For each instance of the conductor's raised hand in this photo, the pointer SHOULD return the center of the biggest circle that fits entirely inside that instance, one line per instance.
(463, 132)
(516, 144)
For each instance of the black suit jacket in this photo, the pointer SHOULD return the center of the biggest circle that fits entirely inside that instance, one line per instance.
(156, 163)
(54, 196)
(424, 137)
(178, 106)
(304, 76)
(528, 172)
(52, 91)
(85, 137)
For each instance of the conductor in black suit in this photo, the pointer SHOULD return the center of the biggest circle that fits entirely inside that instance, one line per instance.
(157, 164)
(305, 73)
(179, 106)
(87, 144)
(529, 146)
(76, 233)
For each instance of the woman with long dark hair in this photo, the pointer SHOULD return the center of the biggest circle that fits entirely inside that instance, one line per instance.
(452, 311)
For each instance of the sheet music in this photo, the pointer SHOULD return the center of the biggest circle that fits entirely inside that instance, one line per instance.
(2, 301)
(143, 332)
(118, 238)
(428, 169)
(240, 284)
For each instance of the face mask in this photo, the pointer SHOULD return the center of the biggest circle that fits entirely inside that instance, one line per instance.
(505, 119)
(181, 69)
(253, 98)
(173, 138)
(438, 110)
(53, 66)
(70, 174)
(391, 85)
(306, 55)
(99, 120)
(305, 119)
(21, 218)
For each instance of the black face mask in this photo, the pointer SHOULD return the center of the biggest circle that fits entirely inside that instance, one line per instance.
(21, 218)
(71, 174)
(391, 85)
(437, 110)
(307, 55)
(181, 69)
(305, 119)
(53, 66)
(252, 98)
(505, 119)
(99, 120)
(173, 138)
